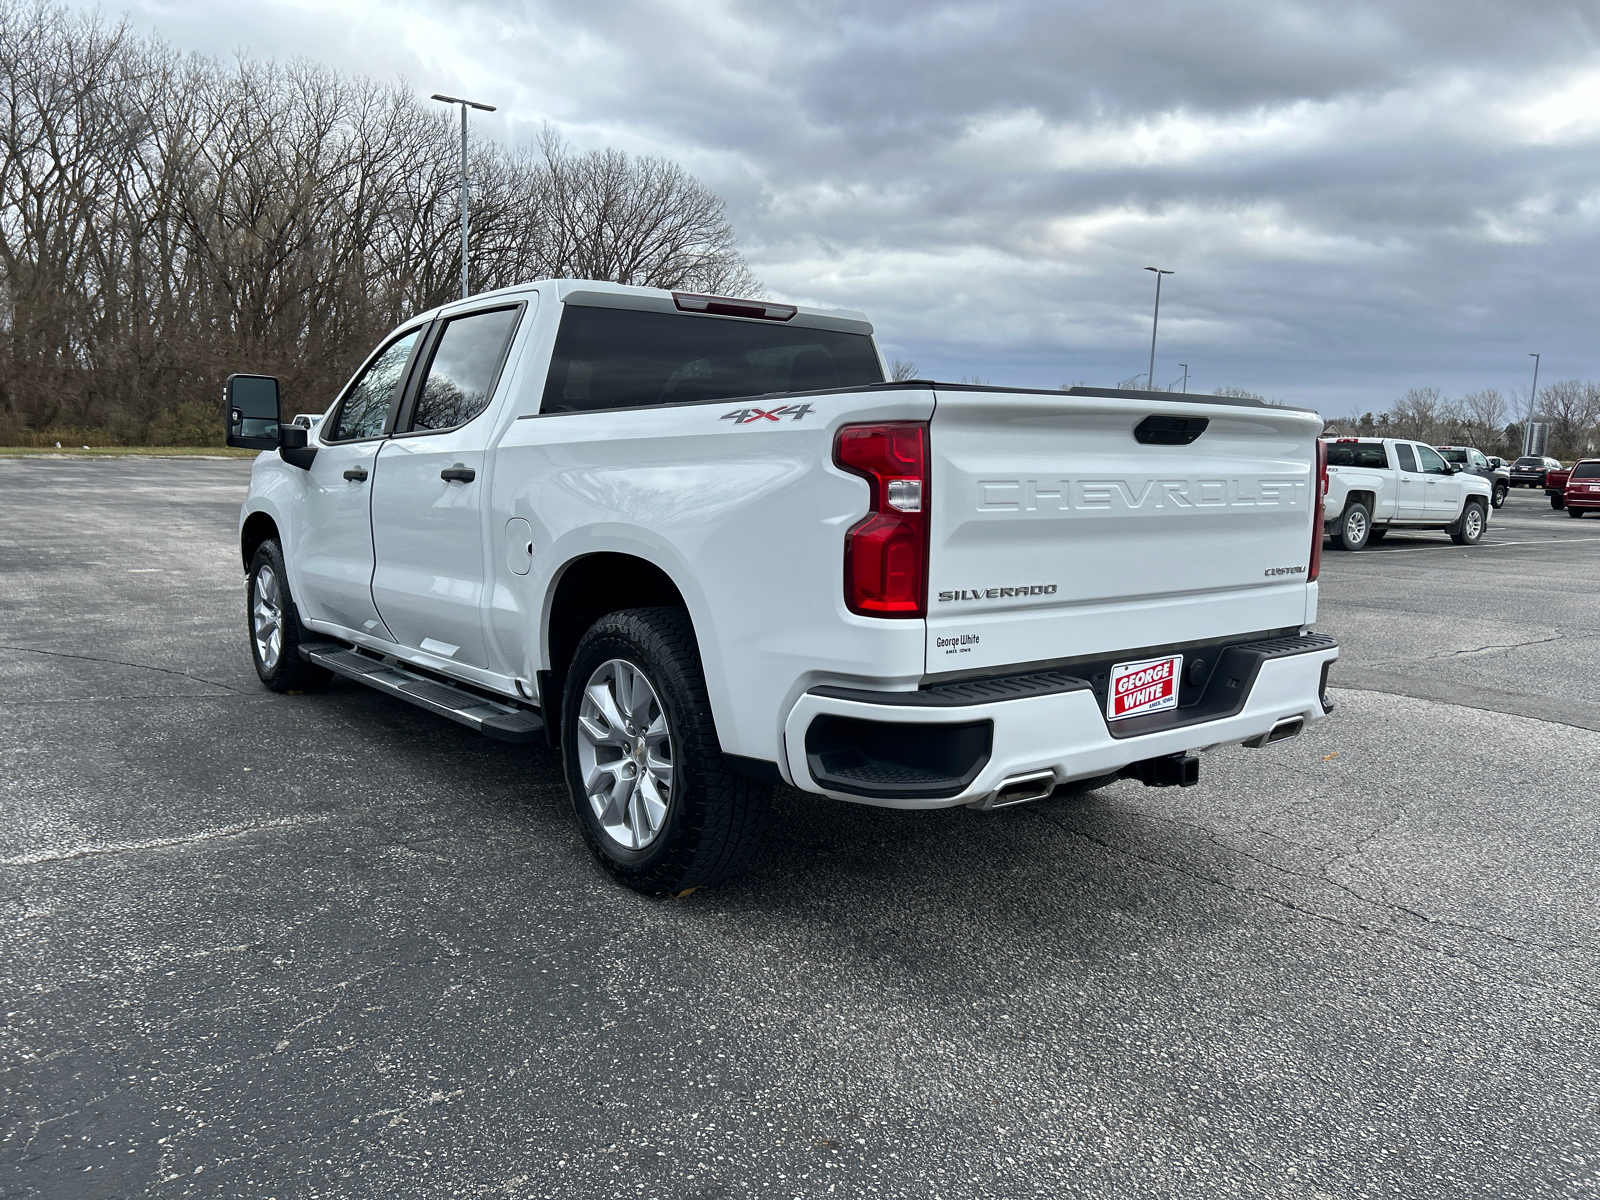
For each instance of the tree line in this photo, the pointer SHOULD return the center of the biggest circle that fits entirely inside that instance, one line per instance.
(1491, 420)
(169, 218)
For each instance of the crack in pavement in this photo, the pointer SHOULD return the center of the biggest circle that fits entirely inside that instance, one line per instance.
(1416, 658)
(1328, 918)
(117, 662)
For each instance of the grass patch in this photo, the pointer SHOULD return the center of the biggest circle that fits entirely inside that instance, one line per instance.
(125, 451)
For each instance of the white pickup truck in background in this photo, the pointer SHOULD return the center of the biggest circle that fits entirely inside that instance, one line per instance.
(704, 547)
(1379, 484)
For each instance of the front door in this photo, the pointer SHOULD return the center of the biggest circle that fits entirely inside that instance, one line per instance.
(334, 555)
(428, 499)
(1445, 491)
(1411, 485)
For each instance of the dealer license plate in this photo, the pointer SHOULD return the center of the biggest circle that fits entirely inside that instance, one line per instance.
(1138, 688)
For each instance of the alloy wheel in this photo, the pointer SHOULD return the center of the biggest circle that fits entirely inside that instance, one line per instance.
(1355, 528)
(625, 754)
(266, 618)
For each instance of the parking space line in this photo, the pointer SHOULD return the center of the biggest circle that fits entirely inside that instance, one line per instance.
(1490, 545)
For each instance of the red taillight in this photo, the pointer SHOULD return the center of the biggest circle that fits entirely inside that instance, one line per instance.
(1320, 483)
(886, 553)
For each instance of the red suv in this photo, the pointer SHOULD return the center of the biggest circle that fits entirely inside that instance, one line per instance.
(1583, 488)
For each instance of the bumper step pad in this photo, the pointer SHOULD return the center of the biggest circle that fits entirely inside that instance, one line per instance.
(503, 722)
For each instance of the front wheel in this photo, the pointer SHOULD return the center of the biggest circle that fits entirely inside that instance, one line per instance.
(274, 624)
(1499, 497)
(657, 803)
(1557, 502)
(1354, 528)
(1468, 529)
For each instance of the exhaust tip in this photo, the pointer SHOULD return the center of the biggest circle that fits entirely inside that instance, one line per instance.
(1019, 789)
(1281, 732)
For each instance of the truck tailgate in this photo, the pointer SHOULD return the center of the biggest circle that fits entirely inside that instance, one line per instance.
(1056, 533)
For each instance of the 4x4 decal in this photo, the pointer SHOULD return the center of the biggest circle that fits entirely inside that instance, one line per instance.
(744, 416)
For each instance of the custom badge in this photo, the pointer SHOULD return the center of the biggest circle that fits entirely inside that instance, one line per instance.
(751, 416)
(1143, 687)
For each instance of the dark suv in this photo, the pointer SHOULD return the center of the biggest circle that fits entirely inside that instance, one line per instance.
(1529, 471)
(1469, 460)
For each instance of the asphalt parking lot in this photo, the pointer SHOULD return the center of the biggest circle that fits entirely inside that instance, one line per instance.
(328, 945)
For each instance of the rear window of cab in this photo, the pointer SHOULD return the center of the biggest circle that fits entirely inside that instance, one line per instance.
(1357, 454)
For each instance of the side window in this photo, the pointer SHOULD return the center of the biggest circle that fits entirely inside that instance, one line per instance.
(1478, 460)
(1408, 460)
(365, 409)
(462, 369)
(1432, 464)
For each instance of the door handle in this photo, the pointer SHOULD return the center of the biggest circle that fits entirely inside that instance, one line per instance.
(458, 474)
(356, 474)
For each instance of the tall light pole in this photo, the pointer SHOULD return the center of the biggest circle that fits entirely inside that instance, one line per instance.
(1535, 390)
(465, 104)
(1150, 379)
(1185, 367)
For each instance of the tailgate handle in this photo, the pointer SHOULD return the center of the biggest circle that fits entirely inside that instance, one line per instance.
(1169, 431)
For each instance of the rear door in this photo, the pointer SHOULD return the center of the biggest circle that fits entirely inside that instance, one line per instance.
(428, 499)
(1444, 491)
(1071, 524)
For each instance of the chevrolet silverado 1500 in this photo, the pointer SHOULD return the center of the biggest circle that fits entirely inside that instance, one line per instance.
(704, 547)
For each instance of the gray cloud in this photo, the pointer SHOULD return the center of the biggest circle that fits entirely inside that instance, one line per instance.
(1357, 198)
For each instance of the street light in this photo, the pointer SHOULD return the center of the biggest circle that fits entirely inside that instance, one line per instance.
(1527, 428)
(465, 104)
(1185, 367)
(1151, 377)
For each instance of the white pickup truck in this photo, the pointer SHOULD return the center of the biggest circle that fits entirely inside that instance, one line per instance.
(1379, 484)
(704, 547)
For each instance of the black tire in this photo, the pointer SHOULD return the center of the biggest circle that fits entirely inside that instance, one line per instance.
(1377, 535)
(1557, 502)
(1353, 528)
(287, 672)
(1468, 531)
(1499, 497)
(713, 819)
(1574, 512)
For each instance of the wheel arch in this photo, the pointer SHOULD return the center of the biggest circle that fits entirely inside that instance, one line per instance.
(258, 527)
(1360, 496)
(587, 588)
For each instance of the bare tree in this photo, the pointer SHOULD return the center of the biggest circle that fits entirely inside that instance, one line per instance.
(1572, 407)
(902, 369)
(1483, 418)
(167, 218)
(1422, 414)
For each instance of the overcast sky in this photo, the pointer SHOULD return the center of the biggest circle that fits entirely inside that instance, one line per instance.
(1356, 199)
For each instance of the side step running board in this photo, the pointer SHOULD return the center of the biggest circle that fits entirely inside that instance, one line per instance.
(504, 722)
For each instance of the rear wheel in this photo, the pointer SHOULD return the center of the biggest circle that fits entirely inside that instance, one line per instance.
(274, 624)
(1499, 497)
(1557, 502)
(1354, 527)
(657, 804)
(1468, 529)
(1574, 512)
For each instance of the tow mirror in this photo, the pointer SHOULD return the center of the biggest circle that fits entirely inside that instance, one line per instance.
(251, 402)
